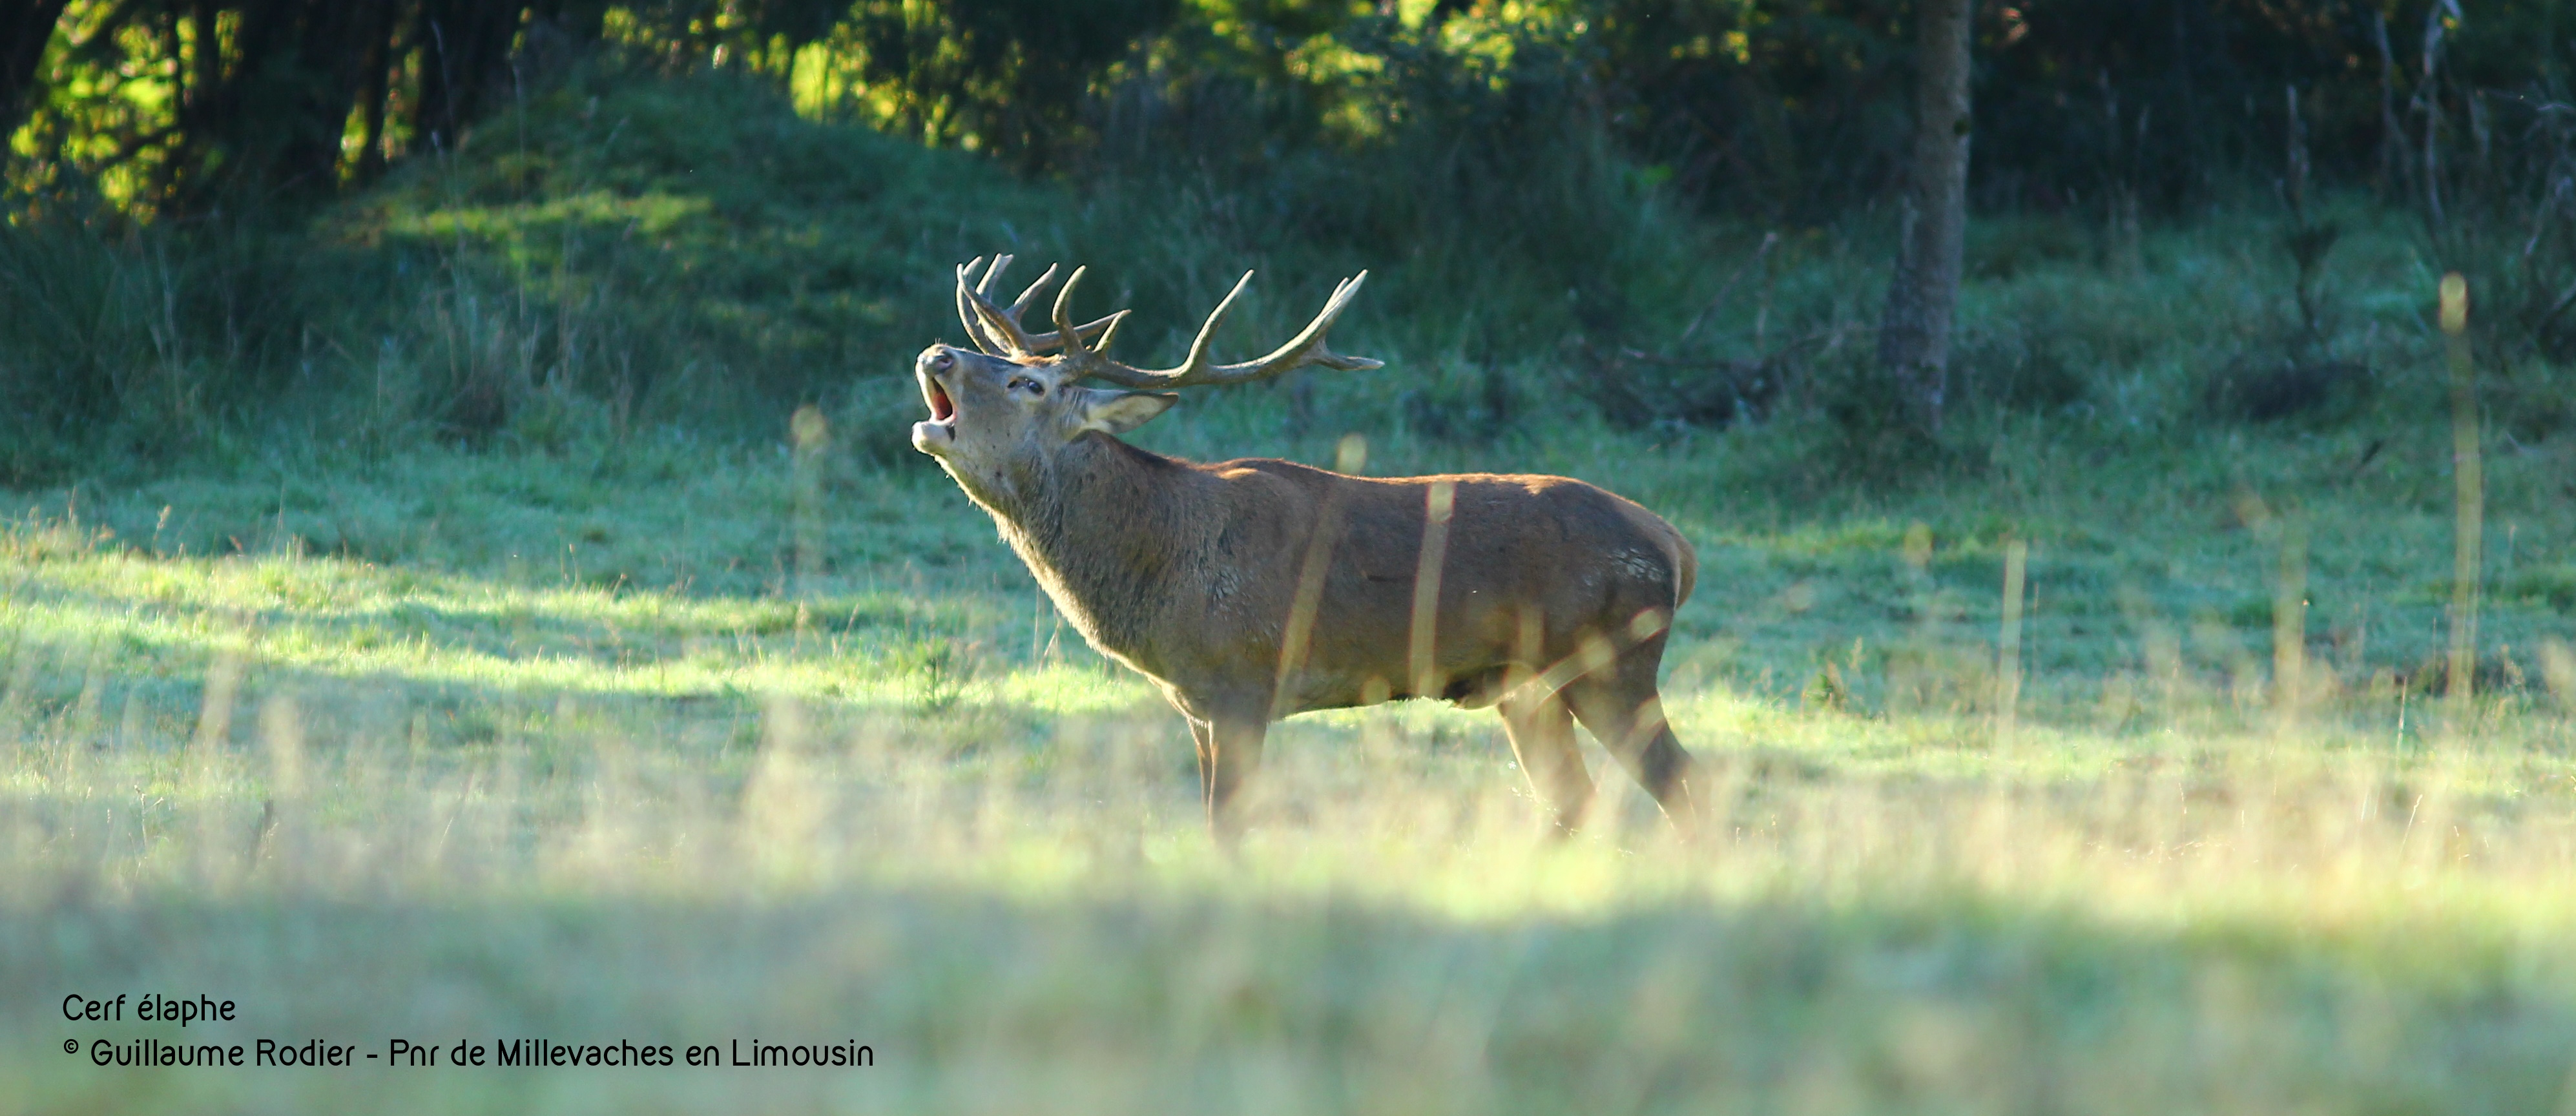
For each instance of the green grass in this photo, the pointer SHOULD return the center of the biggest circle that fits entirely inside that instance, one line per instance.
(441, 745)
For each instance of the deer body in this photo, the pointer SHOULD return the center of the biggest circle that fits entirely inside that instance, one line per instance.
(1254, 589)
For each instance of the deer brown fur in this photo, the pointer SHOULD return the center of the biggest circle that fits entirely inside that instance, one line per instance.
(1255, 589)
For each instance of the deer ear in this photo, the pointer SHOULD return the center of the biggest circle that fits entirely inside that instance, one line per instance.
(1117, 412)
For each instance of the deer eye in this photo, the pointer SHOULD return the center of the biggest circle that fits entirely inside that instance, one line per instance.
(1023, 383)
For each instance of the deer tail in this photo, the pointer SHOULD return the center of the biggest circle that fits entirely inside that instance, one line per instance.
(1685, 568)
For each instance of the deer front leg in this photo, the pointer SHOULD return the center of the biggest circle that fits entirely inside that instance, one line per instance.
(1231, 754)
(1227, 731)
(1203, 738)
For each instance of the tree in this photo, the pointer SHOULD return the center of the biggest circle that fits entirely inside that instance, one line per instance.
(194, 104)
(1914, 332)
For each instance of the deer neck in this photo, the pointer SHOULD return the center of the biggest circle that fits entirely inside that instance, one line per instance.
(1097, 529)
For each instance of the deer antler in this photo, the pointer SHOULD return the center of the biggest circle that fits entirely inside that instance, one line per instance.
(1306, 348)
(998, 331)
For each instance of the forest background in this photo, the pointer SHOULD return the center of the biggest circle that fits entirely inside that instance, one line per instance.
(409, 220)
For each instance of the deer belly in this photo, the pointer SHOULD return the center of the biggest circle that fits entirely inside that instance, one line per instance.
(1338, 689)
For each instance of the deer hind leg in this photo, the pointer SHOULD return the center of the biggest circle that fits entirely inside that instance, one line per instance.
(1542, 735)
(1620, 705)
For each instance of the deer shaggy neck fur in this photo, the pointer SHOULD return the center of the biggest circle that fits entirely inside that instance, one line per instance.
(1095, 524)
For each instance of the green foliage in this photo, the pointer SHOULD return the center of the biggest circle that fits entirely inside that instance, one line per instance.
(627, 251)
(619, 248)
(689, 247)
(144, 344)
(1016, 77)
(2554, 586)
(1790, 110)
(661, 246)
(189, 108)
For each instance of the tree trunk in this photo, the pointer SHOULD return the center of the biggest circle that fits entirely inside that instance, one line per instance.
(1914, 333)
(375, 88)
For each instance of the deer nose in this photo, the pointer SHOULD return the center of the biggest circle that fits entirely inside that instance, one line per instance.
(939, 360)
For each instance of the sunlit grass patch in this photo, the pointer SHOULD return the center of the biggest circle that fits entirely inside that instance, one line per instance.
(339, 619)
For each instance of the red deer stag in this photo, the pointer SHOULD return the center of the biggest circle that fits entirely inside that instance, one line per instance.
(1254, 589)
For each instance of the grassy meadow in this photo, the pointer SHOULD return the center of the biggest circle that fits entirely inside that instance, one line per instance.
(480, 699)
(687, 743)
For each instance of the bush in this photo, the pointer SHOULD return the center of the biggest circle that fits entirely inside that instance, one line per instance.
(137, 340)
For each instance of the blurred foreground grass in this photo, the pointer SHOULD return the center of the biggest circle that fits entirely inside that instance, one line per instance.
(686, 744)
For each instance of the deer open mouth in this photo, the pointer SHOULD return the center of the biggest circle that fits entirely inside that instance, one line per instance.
(938, 435)
(942, 408)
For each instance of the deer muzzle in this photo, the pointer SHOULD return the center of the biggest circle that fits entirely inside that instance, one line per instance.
(939, 433)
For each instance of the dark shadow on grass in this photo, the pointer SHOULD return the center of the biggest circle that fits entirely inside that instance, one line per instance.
(1173, 1001)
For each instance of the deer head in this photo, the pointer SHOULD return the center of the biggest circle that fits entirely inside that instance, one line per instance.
(1002, 415)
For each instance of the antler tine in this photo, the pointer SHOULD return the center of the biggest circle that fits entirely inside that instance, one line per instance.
(1306, 348)
(1100, 332)
(1074, 349)
(1020, 305)
(1198, 358)
(1002, 335)
(1108, 333)
(975, 331)
(1001, 263)
(1000, 340)
(1096, 331)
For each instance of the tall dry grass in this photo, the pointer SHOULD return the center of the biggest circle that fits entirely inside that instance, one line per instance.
(2277, 915)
